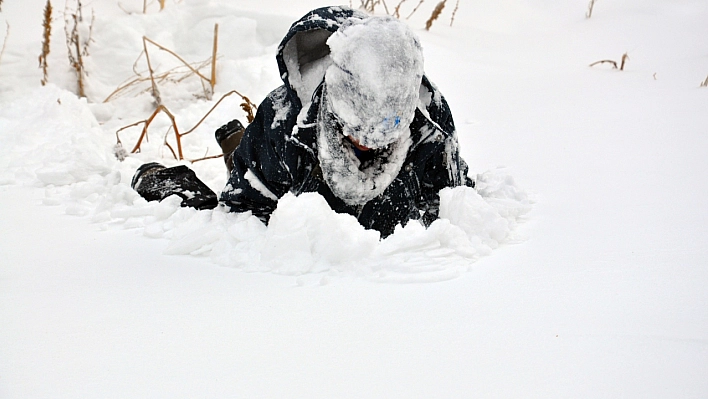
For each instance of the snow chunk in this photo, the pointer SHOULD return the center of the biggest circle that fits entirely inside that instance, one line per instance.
(306, 235)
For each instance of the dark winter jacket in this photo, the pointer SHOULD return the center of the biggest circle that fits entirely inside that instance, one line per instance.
(278, 153)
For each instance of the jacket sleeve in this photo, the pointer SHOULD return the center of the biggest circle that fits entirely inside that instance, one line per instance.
(445, 167)
(259, 176)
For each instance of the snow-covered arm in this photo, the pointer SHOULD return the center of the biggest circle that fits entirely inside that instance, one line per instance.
(259, 176)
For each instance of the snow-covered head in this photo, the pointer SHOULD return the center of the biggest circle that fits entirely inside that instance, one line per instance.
(374, 80)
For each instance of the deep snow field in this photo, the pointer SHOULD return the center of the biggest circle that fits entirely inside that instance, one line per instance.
(577, 268)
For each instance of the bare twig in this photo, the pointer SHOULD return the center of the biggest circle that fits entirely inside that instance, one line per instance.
(705, 82)
(623, 62)
(204, 158)
(247, 105)
(385, 6)
(155, 91)
(614, 63)
(436, 13)
(4, 41)
(590, 7)
(454, 12)
(625, 57)
(159, 78)
(415, 9)
(176, 56)
(397, 10)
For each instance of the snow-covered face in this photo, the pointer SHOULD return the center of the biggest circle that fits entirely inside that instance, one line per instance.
(374, 80)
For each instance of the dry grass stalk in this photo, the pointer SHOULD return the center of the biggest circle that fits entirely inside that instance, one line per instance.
(0, 5)
(436, 13)
(385, 6)
(212, 81)
(46, 36)
(415, 9)
(705, 82)
(247, 106)
(162, 4)
(454, 12)
(614, 63)
(625, 57)
(397, 10)
(146, 40)
(370, 5)
(76, 46)
(175, 75)
(590, 7)
(155, 91)
(4, 41)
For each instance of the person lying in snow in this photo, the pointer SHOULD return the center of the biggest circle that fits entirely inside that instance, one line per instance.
(356, 121)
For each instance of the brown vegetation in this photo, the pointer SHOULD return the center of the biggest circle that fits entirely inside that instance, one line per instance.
(76, 45)
(625, 57)
(436, 13)
(46, 36)
(247, 106)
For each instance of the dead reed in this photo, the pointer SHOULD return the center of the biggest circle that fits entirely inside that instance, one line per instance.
(46, 37)
(397, 10)
(76, 45)
(246, 105)
(454, 12)
(4, 41)
(591, 5)
(370, 5)
(415, 9)
(435, 15)
(625, 57)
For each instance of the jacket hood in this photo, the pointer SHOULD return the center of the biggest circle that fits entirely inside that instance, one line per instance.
(303, 54)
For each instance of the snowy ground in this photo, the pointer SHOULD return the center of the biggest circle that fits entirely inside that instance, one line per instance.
(579, 271)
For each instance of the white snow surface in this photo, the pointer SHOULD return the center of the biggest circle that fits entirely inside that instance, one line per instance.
(576, 268)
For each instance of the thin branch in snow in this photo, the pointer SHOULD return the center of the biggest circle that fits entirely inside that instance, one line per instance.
(705, 82)
(590, 7)
(247, 106)
(625, 57)
(454, 12)
(614, 63)
(415, 9)
(397, 10)
(4, 41)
